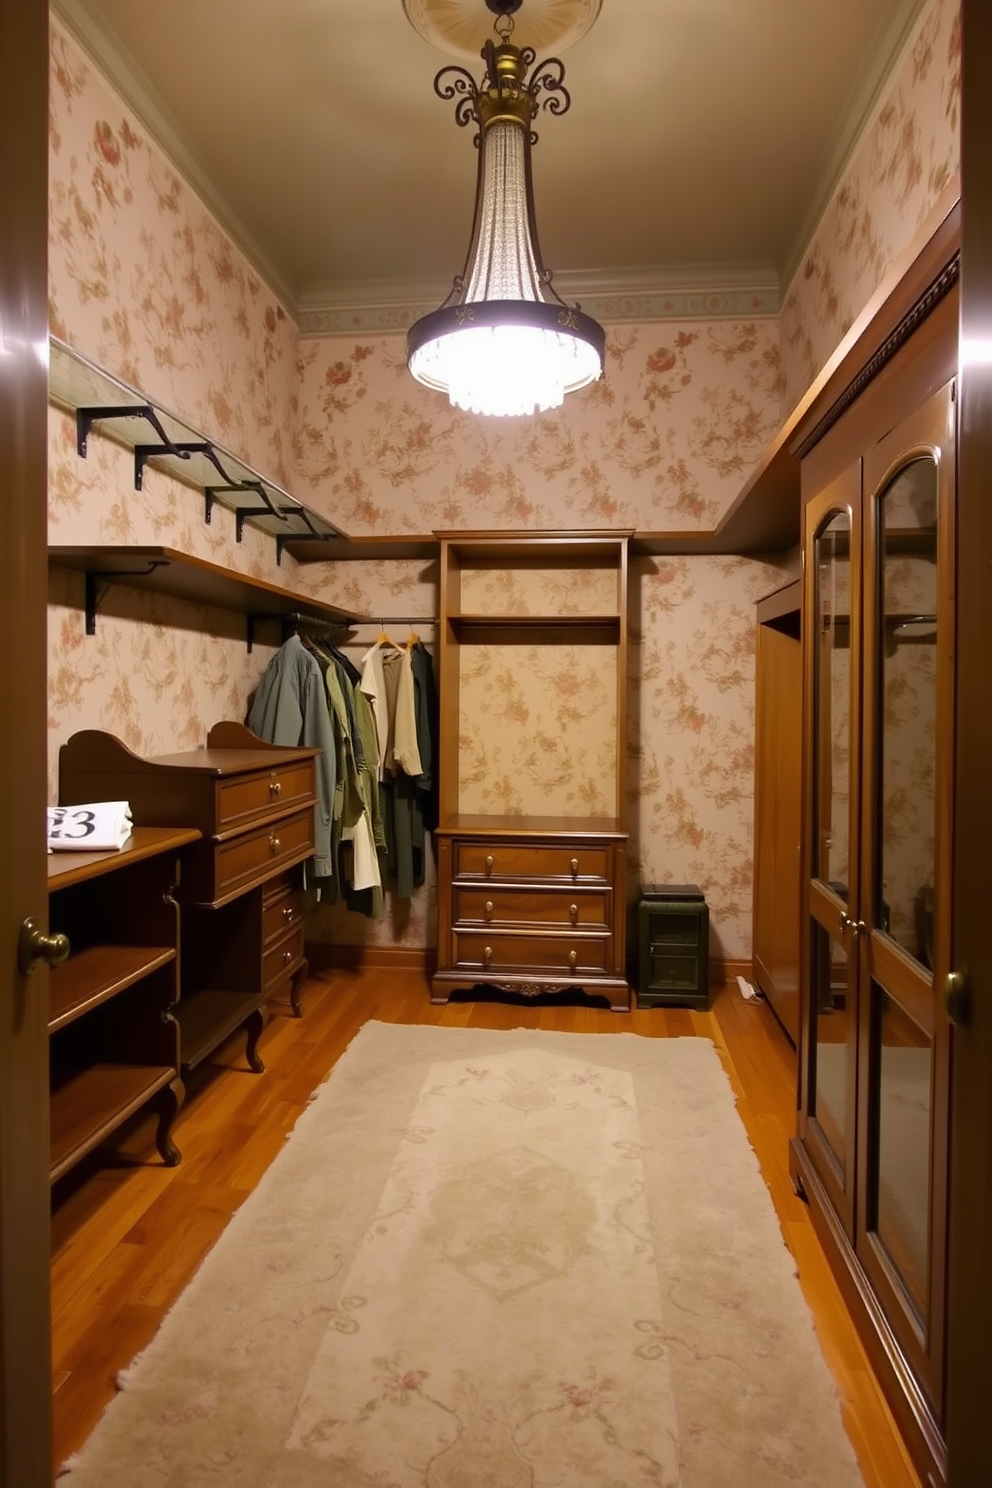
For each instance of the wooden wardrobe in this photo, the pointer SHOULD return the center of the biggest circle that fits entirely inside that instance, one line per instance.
(778, 717)
(877, 921)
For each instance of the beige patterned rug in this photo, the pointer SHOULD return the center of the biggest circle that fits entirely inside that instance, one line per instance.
(492, 1260)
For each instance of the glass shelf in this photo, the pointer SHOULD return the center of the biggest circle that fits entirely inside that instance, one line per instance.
(158, 437)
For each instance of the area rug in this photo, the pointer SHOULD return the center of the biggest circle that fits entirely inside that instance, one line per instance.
(492, 1260)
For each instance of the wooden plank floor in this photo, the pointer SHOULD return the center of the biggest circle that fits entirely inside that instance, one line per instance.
(128, 1234)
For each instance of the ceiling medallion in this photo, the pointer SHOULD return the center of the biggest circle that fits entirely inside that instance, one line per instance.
(461, 27)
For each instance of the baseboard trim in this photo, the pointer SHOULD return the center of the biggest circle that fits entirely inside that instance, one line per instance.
(327, 956)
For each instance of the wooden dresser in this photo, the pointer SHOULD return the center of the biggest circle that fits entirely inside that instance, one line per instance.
(241, 888)
(531, 911)
(113, 1040)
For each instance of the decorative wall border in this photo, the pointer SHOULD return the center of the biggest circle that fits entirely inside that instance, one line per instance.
(760, 302)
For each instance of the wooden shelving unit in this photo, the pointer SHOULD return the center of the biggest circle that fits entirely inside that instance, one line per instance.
(114, 1042)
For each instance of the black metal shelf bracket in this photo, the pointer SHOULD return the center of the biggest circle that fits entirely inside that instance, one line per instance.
(87, 417)
(145, 452)
(98, 581)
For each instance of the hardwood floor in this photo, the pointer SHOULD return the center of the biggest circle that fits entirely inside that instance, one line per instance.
(128, 1234)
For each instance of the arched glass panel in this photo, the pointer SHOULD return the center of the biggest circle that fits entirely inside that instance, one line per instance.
(832, 705)
(906, 662)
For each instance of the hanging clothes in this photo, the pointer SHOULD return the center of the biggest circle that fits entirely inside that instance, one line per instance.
(290, 707)
(387, 681)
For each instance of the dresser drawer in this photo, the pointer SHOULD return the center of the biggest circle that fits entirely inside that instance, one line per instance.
(244, 798)
(281, 958)
(570, 864)
(256, 855)
(564, 907)
(570, 955)
(282, 906)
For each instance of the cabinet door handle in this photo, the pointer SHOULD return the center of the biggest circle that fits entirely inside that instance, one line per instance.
(489, 864)
(573, 910)
(275, 787)
(489, 909)
(487, 955)
(575, 867)
(573, 957)
(274, 843)
(34, 945)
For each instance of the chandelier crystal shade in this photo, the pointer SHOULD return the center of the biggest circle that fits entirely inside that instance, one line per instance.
(504, 342)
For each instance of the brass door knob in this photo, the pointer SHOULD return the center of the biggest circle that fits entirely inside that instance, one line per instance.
(489, 909)
(489, 864)
(575, 867)
(34, 945)
(274, 843)
(572, 959)
(487, 955)
(287, 956)
(573, 910)
(275, 787)
(287, 914)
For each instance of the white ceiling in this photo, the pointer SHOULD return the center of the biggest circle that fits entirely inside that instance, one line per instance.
(703, 140)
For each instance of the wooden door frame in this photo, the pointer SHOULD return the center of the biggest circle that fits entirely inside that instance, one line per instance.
(25, 1326)
(970, 1239)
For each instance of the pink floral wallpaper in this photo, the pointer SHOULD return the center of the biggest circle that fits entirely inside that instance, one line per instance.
(663, 443)
(904, 159)
(146, 283)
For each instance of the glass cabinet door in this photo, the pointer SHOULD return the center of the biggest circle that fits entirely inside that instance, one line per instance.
(908, 706)
(832, 559)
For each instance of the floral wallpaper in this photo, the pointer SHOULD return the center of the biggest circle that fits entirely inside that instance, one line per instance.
(145, 282)
(903, 160)
(663, 442)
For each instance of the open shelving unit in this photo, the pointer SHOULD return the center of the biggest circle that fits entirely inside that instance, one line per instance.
(114, 1042)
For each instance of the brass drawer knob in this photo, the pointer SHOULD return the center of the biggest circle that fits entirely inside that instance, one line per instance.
(489, 864)
(575, 867)
(274, 844)
(573, 957)
(275, 787)
(287, 914)
(489, 909)
(573, 910)
(487, 955)
(287, 956)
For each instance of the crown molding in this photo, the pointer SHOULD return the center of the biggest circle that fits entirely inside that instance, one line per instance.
(122, 75)
(666, 292)
(867, 97)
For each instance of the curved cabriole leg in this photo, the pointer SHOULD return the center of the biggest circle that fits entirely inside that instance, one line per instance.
(169, 1101)
(253, 1031)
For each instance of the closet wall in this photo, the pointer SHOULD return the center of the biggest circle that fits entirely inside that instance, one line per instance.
(145, 282)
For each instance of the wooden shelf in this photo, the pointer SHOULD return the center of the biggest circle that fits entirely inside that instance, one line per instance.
(169, 571)
(208, 1017)
(96, 974)
(532, 826)
(92, 1104)
(68, 868)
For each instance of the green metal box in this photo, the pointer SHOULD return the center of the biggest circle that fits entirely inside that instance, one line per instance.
(673, 923)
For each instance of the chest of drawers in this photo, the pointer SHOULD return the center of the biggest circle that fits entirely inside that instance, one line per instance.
(535, 911)
(241, 887)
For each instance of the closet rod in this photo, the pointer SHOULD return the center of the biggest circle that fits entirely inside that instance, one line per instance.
(380, 620)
